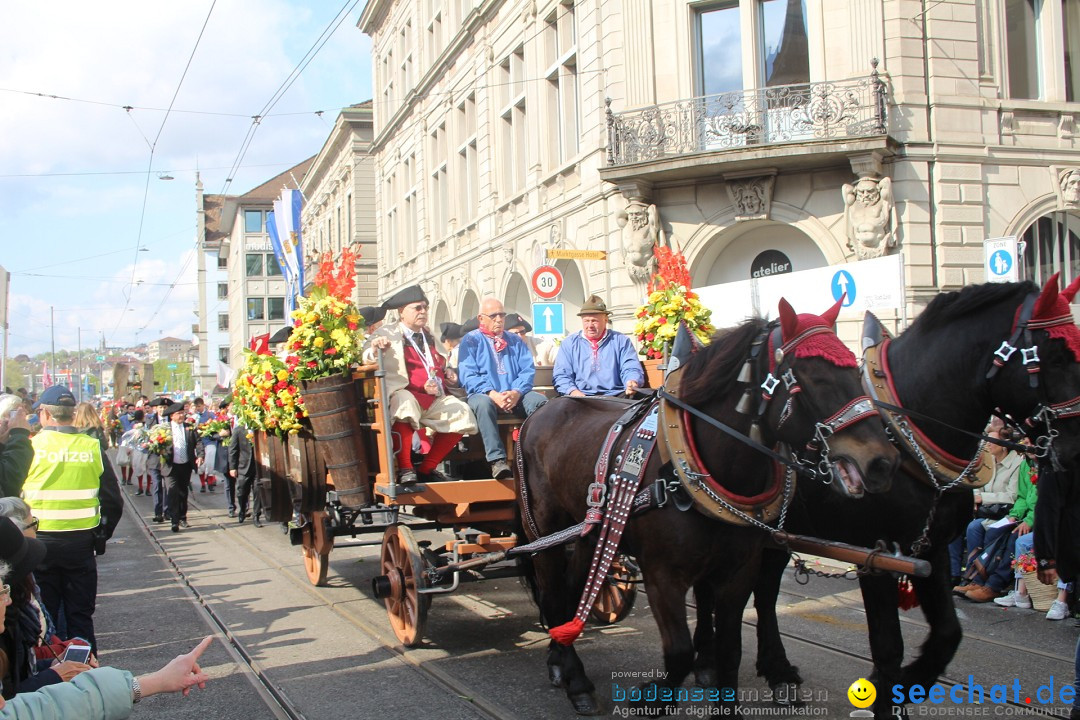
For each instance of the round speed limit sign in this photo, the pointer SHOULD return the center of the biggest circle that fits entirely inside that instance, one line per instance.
(547, 282)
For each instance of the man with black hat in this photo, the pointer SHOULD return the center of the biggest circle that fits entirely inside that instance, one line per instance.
(373, 317)
(497, 372)
(597, 360)
(178, 463)
(450, 337)
(416, 382)
(543, 351)
(73, 491)
(153, 461)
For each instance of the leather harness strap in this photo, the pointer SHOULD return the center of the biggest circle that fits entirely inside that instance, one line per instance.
(877, 379)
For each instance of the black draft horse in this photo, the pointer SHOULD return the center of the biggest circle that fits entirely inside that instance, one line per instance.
(559, 446)
(940, 366)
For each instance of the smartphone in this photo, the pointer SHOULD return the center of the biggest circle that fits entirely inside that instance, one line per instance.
(77, 653)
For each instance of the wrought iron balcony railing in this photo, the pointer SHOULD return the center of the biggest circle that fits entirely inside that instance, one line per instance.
(767, 116)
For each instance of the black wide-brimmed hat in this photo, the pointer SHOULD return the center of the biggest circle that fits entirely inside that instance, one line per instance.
(514, 320)
(159, 401)
(174, 408)
(469, 325)
(281, 335)
(22, 553)
(372, 315)
(411, 294)
(594, 306)
(450, 331)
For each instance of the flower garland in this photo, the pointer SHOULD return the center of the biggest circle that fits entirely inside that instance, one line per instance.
(159, 440)
(266, 396)
(670, 300)
(328, 330)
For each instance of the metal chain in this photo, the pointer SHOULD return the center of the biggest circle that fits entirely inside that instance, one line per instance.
(803, 572)
(740, 514)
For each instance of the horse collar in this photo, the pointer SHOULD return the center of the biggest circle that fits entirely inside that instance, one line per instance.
(878, 381)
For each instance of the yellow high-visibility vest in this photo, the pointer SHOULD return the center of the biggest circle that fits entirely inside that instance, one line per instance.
(64, 480)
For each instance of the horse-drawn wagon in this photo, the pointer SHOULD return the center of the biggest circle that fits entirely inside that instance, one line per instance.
(352, 491)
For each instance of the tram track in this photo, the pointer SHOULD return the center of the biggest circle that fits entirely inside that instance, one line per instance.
(485, 707)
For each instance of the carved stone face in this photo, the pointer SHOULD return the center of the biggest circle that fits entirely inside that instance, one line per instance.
(637, 216)
(1070, 187)
(867, 192)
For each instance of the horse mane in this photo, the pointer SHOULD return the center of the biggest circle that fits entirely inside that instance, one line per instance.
(713, 369)
(951, 306)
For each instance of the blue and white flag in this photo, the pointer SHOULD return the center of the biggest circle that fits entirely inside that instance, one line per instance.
(287, 224)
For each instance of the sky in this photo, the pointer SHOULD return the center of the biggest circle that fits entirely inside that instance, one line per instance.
(81, 178)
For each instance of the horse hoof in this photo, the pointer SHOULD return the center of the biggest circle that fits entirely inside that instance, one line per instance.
(555, 676)
(786, 695)
(705, 678)
(585, 704)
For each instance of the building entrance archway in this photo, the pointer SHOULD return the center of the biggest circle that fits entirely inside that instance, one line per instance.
(755, 249)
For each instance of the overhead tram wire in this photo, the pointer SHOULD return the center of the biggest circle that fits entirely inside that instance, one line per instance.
(256, 119)
(150, 167)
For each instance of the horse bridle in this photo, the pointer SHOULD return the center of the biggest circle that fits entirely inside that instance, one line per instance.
(1045, 411)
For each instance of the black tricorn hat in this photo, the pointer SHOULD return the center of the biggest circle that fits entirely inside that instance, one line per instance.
(372, 315)
(281, 335)
(174, 408)
(22, 553)
(159, 401)
(469, 325)
(514, 320)
(450, 331)
(411, 294)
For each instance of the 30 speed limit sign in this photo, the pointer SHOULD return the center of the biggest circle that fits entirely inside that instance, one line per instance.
(547, 282)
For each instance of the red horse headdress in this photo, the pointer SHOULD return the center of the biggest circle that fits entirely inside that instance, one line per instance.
(1052, 313)
(803, 334)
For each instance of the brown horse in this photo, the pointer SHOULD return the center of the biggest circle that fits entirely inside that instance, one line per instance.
(558, 450)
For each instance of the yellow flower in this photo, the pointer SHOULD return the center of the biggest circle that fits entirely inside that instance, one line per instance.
(311, 317)
(318, 342)
(282, 375)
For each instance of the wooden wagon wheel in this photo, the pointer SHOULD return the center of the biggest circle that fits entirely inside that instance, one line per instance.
(317, 549)
(617, 596)
(401, 562)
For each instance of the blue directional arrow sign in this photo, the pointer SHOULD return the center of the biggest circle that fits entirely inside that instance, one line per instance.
(548, 318)
(843, 283)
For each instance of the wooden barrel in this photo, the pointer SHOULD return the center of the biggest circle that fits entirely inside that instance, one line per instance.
(331, 405)
(272, 482)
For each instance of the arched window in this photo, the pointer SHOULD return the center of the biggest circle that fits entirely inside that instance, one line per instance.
(1052, 244)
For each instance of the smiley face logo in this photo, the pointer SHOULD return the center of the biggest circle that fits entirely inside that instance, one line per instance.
(861, 694)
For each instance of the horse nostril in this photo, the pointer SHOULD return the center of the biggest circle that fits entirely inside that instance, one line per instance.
(882, 470)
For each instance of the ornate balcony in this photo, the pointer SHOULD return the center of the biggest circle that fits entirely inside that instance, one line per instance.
(785, 125)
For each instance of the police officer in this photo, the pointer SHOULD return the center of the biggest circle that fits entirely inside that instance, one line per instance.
(72, 489)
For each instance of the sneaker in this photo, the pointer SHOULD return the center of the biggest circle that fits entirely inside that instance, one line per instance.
(1014, 599)
(500, 469)
(963, 589)
(406, 476)
(434, 476)
(1057, 611)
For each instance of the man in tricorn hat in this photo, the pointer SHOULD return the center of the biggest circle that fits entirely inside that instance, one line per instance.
(178, 463)
(373, 317)
(155, 416)
(543, 351)
(450, 336)
(416, 383)
(597, 360)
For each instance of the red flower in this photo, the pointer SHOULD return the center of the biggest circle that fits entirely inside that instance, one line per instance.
(352, 326)
(268, 375)
(663, 321)
(312, 364)
(649, 337)
(330, 351)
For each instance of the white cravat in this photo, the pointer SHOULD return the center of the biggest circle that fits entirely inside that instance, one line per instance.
(179, 439)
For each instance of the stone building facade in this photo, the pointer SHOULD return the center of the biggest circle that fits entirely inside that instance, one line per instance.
(339, 207)
(808, 133)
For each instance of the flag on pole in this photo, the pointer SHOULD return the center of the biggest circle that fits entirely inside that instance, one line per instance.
(46, 378)
(260, 344)
(225, 375)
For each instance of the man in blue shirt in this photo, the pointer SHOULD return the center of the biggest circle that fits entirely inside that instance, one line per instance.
(496, 369)
(597, 360)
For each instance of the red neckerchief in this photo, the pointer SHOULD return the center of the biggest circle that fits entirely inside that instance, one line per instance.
(497, 341)
(596, 349)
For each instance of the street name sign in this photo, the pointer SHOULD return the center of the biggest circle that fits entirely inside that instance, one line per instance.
(557, 254)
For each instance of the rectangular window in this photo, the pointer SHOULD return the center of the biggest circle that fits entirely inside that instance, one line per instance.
(1022, 48)
(222, 262)
(222, 290)
(783, 47)
(348, 220)
(223, 353)
(435, 30)
(255, 310)
(562, 81)
(1070, 23)
(254, 264)
(273, 267)
(223, 321)
(275, 308)
(440, 193)
(253, 221)
(720, 55)
(512, 115)
(468, 165)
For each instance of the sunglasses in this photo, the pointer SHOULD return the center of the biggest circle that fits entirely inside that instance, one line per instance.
(421, 307)
(495, 316)
(33, 525)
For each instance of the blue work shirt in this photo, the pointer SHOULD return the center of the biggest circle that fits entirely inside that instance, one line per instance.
(480, 371)
(615, 364)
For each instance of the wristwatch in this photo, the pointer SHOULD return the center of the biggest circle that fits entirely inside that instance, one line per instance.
(136, 691)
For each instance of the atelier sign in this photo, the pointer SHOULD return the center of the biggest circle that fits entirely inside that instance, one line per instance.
(770, 262)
